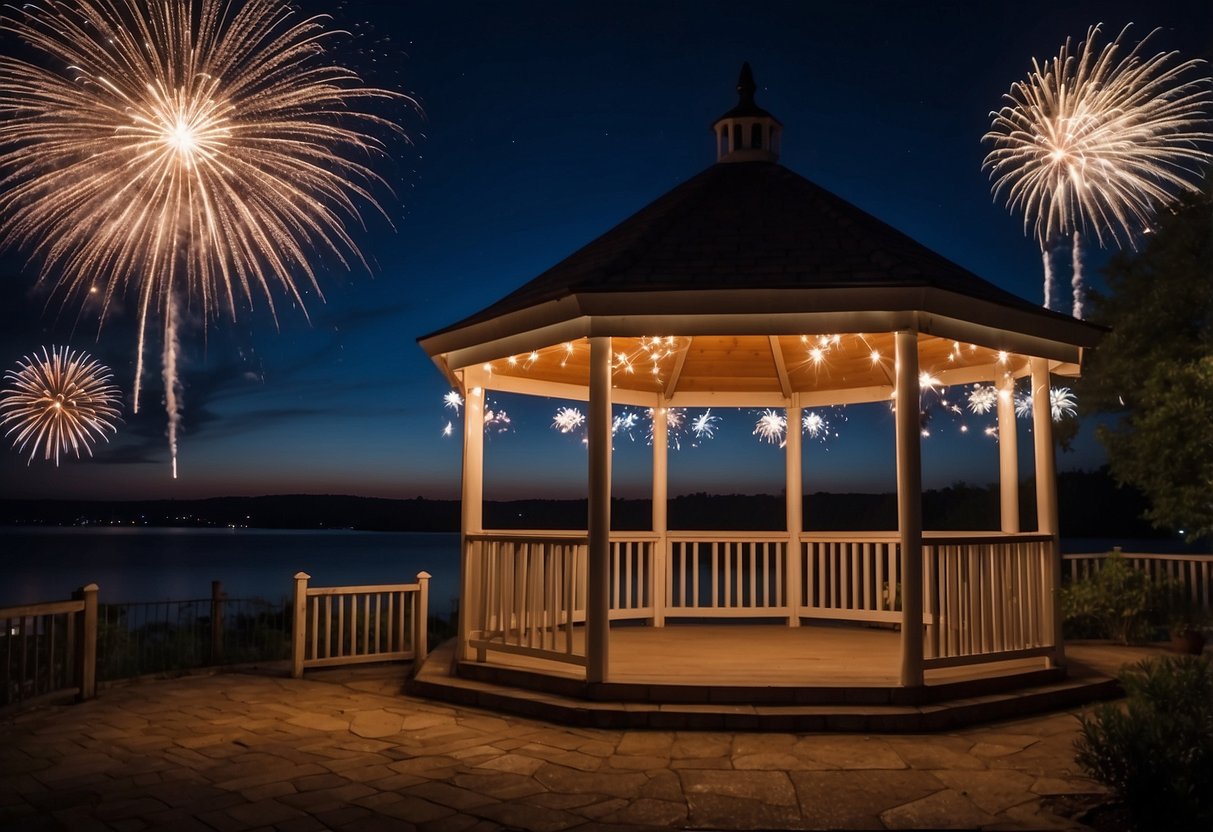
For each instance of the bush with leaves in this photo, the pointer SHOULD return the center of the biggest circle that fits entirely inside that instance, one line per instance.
(1155, 751)
(1118, 602)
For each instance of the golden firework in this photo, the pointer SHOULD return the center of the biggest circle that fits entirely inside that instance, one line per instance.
(1092, 140)
(58, 402)
(189, 151)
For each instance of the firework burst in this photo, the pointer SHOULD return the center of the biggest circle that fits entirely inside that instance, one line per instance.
(568, 419)
(58, 402)
(1062, 404)
(1095, 140)
(771, 427)
(983, 398)
(181, 152)
(704, 425)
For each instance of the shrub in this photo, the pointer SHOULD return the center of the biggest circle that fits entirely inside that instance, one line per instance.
(1155, 751)
(1117, 602)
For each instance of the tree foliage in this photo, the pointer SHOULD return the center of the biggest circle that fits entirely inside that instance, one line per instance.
(1154, 371)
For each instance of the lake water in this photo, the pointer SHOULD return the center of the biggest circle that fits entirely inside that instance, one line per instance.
(150, 564)
(146, 564)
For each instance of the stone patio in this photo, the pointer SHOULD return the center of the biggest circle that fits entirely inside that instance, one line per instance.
(344, 750)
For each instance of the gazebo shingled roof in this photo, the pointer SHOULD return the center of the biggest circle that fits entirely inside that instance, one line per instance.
(754, 225)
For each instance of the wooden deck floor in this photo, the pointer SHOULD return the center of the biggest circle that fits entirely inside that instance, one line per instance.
(757, 655)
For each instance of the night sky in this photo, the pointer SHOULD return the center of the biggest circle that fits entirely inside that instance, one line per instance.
(544, 125)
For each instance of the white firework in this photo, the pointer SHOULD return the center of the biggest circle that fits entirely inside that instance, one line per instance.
(815, 425)
(983, 398)
(453, 400)
(568, 419)
(704, 425)
(771, 427)
(1062, 404)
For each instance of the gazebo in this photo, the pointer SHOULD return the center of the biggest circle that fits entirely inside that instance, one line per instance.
(750, 287)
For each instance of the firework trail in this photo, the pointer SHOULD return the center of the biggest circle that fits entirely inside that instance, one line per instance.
(1076, 272)
(172, 404)
(59, 401)
(194, 151)
(1095, 141)
(1046, 259)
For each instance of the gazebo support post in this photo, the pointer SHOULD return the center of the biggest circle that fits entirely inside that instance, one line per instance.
(472, 497)
(598, 576)
(660, 554)
(1046, 500)
(909, 506)
(795, 510)
(1008, 455)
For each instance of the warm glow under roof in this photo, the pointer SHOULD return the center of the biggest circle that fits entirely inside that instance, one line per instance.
(778, 365)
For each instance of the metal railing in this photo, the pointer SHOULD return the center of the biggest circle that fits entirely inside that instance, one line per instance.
(143, 637)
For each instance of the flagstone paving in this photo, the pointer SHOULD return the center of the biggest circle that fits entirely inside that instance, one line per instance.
(243, 750)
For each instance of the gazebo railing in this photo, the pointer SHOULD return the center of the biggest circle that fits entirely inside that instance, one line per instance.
(986, 597)
(726, 574)
(850, 577)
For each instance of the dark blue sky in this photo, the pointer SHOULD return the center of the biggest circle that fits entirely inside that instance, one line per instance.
(544, 125)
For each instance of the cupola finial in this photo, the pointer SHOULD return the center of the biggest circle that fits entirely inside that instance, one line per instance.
(747, 133)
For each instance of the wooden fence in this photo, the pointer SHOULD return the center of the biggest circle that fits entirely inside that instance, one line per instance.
(339, 625)
(1189, 576)
(50, 648)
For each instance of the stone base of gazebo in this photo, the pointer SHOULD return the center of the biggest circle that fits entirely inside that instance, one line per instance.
(758, 677)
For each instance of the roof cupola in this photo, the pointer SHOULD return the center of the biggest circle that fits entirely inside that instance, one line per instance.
(747, 133)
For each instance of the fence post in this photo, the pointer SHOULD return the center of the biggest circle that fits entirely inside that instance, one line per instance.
(421, 616)
(86, 643)
(299, 625)
(216, 622)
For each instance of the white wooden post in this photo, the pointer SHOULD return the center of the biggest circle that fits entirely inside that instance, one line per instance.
(299, 625)
(909, 506)
(421, 621)
(598, 577)
(1008, 455)
(1046, 500)
(472, 503)
(660, 555)
(793, 489)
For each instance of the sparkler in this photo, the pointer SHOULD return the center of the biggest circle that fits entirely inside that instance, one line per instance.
(453, 401)
(181, 152)
(1095, 141)
(59, 401)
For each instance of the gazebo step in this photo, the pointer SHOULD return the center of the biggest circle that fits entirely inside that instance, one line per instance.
(436, 680)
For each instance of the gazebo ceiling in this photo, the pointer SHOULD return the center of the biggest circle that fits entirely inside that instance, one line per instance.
(836, 368)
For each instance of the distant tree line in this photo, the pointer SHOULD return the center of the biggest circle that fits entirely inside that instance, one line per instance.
(1091, 505)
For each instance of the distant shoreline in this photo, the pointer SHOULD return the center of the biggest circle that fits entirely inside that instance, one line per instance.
(1091, 506)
